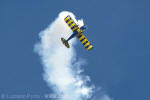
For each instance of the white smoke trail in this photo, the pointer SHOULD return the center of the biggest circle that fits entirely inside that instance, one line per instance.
(62, 70)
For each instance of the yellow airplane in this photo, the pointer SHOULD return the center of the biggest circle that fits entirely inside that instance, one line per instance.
(78, 32)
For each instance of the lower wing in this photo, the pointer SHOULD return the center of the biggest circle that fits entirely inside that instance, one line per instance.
(84, 41)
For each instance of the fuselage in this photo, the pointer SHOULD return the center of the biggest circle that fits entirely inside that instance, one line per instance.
(77, 32)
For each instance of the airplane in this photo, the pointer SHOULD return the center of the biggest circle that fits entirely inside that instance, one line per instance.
(78, 32)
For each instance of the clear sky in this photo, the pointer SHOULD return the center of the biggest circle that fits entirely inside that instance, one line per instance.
(118, 29)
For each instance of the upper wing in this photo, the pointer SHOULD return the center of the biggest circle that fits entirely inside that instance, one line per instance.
(84, 41)
(73, 26)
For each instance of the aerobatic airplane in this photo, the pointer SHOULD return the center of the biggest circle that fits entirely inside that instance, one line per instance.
(78, 32)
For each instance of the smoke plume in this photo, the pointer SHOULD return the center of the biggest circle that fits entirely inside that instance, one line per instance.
(62, 70)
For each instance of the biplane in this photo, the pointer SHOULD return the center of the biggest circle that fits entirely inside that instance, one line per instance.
(78, 32)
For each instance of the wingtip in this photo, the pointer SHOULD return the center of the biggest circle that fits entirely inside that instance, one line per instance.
(90, 48)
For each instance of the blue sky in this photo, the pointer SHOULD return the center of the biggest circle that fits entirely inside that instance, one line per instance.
(118, 29)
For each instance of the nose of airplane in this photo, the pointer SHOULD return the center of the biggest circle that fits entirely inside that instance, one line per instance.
(83, 27)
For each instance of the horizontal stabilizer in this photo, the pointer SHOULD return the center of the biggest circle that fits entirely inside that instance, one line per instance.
(65, 42)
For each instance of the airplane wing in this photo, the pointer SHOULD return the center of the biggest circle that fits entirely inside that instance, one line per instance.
(73, 26)
(84, 41)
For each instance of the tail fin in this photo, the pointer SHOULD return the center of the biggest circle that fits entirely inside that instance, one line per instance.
(65, 42)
